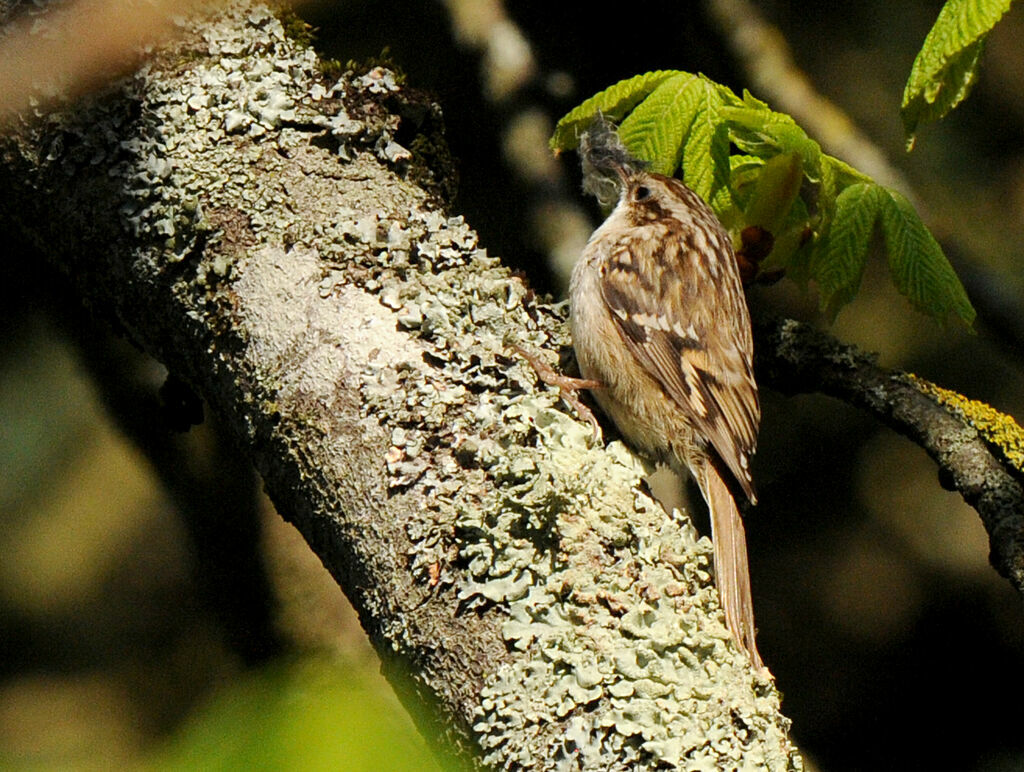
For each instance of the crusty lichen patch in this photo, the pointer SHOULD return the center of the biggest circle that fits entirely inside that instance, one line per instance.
(997, 429)
(610, 599)
(193, 150)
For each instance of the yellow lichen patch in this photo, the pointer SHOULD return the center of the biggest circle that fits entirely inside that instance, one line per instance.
(995, 428)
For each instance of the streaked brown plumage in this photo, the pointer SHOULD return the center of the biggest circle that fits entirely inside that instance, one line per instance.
(660, 319)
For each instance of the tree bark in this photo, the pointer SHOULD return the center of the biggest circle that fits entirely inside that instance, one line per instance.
(263, 231)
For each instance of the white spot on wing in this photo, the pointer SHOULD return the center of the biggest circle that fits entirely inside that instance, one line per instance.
(693, 384)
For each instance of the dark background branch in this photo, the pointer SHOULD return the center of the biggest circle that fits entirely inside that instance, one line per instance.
(795, 358)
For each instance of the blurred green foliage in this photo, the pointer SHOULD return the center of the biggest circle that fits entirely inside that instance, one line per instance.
(318, 713)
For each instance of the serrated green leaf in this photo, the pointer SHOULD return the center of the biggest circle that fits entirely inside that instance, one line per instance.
(743, 173)
(825, 215)
(917, 264)
(705, 161)
(676, 127)
(723, 206)
(751, 101)
(828, 189)
(739, 161)
(656, 128)
(946, 66)
(837, 262)
(844, 173)
(614, 102)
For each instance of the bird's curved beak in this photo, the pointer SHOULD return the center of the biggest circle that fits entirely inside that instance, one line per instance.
(623, 171)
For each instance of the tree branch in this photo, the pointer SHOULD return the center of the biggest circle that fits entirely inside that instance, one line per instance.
(258, 229)
(795, 358)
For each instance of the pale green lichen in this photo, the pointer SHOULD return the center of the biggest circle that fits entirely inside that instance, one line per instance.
(616, 611)
(996, 428)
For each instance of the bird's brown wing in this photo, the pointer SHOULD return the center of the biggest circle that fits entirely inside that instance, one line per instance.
(689, 328)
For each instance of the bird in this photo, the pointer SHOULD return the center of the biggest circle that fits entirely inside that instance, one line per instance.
(662, 336)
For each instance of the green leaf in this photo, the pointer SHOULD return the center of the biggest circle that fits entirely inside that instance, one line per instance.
(760, 131)
(677, 126)
(614, 102)
(946, 66)
(918, 266)
(834, 176)
(705, 161)
(837, 262)
(655, 130)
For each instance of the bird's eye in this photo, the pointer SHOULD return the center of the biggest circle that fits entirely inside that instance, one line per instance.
(642, 193)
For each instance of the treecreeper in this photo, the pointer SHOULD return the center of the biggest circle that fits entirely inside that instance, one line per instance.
(661, 333)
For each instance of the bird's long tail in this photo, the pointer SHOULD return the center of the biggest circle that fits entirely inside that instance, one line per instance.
(730, 540)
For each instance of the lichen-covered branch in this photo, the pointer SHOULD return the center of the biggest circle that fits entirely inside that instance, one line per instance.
(268, 234)
(795, 358)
